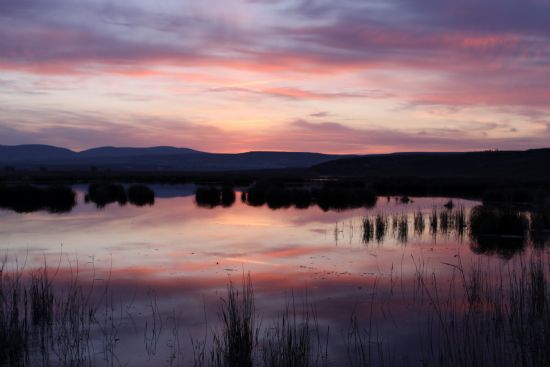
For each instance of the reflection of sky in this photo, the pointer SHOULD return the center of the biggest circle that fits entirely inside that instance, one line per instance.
(186, 254)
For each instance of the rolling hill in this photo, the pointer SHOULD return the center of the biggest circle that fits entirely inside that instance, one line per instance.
(154, 158)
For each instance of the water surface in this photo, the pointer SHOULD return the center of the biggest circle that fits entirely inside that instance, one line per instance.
(173, 260)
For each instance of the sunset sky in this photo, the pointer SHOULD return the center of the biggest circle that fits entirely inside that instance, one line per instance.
(346, 76)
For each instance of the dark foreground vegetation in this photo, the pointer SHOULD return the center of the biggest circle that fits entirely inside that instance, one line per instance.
(27, 198)
(488, 316)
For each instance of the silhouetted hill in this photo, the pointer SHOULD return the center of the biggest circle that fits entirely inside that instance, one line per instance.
(33, 152)
(103, 152)
(521, 164)
(155, 158)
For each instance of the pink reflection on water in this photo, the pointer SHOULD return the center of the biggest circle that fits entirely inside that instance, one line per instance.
(186, 256)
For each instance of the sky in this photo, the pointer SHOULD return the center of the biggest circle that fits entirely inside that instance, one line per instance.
(346, 76)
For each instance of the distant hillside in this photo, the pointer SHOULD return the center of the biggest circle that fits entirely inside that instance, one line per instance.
(155, 158)
(33, 152)
(134, 152)
(522, 164)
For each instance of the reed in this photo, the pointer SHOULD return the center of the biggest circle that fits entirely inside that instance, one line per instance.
(239, 336)
(403, 228)
(434, 225)
(368, 230)
(419, 223)
(380, 227)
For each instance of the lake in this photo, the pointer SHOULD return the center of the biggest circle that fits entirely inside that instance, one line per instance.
(158, 274)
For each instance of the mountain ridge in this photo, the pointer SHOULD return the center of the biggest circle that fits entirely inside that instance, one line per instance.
(154, 158)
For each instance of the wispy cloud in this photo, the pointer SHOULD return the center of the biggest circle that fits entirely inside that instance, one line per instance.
(352, 60)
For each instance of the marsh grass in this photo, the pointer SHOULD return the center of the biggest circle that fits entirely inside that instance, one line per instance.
(294, 339)
(403, 228)
(459, 221)
(14, 326)
(419, 223)
(42, 298)
(234, 346)
(40, 327)
(380, 227)
(444, 222)
(434, 225)
(506, 321)
(368, 230)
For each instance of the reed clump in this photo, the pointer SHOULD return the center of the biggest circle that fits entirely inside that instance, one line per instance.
(419, 223)
(103, 194)
(141, 195)
(368, 230)
(293, 339)
(329, 196)
(380, 227)
(434, 223)
(506, 323)
(239, 336)
(14, 325)
(501, 230)
(213, 196)
(401, 223)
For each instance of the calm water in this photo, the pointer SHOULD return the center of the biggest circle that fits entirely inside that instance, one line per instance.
(170, 263)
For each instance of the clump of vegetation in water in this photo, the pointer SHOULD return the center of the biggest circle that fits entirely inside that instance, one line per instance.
(339, 198)
(329, 196)
(213, 196)
(141, 195)
(501, 230)
(27, 198)
(102, 194)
